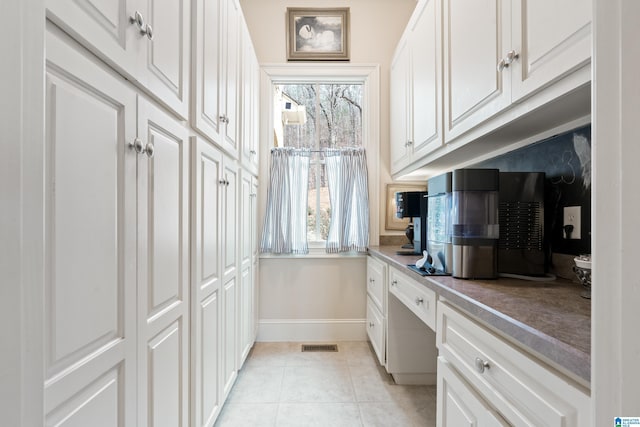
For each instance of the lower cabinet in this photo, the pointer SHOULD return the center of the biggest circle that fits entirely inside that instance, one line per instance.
(459, 404)
(499, 381)
(377, 307)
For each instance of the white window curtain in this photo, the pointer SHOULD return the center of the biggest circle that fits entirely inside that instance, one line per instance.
(285, 223)
(349, 194)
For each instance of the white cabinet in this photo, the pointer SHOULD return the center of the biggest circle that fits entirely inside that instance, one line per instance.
(506, 380)
(248, 264)
(216, 282)
(250, 103)
(206, 283)
(500, 51)
(476, 36)
(147, 41)
(217, 50)
(551, 39)
(377, 306)
(459, 404)
(117, 296)
(416, 88)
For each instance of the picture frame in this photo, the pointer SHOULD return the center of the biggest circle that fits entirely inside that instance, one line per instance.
(318, 34)
(391, 221)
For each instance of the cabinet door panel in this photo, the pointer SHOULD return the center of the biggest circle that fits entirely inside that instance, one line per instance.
(163, 293)
(90, 236)
(232, 77)
(229, 334)
(459, 405)
(164, 66)
(103, 26)
(426, 53)
(476, 36)
(400, 120)
(231, 218)
(552, 38)
(207, 381)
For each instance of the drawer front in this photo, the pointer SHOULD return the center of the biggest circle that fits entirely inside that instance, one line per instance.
(418, 298)
(376, 275)
(523, 390)
(375, 330)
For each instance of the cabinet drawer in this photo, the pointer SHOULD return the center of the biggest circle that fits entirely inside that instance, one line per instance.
(375, 330)
(376, 275)
(418, 298)
(523, 390)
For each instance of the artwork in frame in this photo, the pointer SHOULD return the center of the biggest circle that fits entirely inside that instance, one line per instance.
(318, 34)
(391, 221)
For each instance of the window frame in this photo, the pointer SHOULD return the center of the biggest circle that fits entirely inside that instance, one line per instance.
(365, 74)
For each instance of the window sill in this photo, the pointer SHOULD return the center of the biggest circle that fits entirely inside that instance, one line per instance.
(313, 254)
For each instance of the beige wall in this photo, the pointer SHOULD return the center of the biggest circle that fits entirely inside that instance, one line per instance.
(376, 28)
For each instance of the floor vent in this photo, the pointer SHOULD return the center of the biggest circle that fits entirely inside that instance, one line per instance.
(319, 347)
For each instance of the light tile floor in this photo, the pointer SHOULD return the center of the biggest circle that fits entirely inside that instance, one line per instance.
(281, 386)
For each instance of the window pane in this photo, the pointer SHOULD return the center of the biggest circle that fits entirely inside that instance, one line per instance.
(317, 116)
(340, 115)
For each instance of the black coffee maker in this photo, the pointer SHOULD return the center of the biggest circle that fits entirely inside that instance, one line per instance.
(408, 206)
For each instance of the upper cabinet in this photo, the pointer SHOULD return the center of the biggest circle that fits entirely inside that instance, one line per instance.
(250, 103)
(216, 62)
(550, 39)
(475, 36)
(500, 51)
(470, 78)
(416, 92)
(147, 41)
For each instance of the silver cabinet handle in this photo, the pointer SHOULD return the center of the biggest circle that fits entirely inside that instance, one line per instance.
(149, 149)
(139, 21)
(149, 32)
(372, 280)
(137, 145)
(394, 283)
(481, 365)
(371, 324)
(419, 300)
(253, 152)
(512, 55)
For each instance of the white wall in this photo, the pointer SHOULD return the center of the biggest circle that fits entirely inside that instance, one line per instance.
(325, 299)
(312, 299)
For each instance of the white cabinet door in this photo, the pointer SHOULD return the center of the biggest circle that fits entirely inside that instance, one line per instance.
(459, 405)
(552, 39)
(206, 282)
(90, 207)
(229, 334)
(216, 61)
(476, 36)
(245, 306)
(232, 77)
(426, 75)
(153, 50)
(164, 61)
(250, 99)
(163, 288)
(400, 111)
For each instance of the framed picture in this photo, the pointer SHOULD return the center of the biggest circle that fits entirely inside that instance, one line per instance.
(317, 34)
(391, 221)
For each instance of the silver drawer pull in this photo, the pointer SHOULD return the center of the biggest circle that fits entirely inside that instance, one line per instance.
(481, 365)
(371, 324)
(394, 283)
(419, 300)
(371, 280)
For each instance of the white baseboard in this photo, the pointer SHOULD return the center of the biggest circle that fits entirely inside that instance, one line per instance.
(311, 330)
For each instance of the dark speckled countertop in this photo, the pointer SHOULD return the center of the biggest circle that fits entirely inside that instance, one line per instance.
(547, 319)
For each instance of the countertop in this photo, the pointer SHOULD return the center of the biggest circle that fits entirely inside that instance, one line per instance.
(547, 319)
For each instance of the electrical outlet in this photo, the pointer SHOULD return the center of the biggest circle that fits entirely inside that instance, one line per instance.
(571, 222)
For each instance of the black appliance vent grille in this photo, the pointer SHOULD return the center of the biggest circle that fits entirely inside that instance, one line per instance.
(520, 225)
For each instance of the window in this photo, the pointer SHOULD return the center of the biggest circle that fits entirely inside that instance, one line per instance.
(318, 115)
